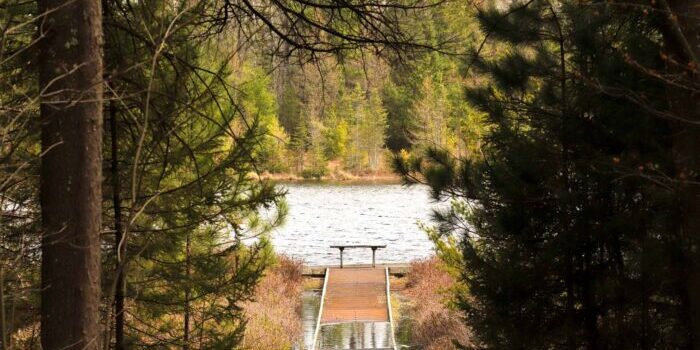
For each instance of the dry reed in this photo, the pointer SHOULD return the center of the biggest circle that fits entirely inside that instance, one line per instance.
(273, 317)
(434, 324)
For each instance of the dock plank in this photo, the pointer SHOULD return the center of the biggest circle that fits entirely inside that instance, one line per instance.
(355, 295)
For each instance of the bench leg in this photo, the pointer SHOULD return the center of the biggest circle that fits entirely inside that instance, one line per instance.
(341, 258)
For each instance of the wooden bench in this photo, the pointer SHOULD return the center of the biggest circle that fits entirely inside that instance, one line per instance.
(373, 247)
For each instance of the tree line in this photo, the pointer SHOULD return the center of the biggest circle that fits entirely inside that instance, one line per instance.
(348, 113)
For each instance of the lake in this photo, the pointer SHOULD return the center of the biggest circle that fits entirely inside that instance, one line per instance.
(321, 215)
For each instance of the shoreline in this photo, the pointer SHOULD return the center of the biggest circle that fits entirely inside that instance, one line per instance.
(346, 179)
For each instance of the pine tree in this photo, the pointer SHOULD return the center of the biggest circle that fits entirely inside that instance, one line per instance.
(571, 242)
(186, 148)
(680, 28)
(374, 130)
(19, 183)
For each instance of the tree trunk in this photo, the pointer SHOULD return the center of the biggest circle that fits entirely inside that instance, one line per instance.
(3, 325)
(70, 77)
(682, 36)
(565, 199)
(188, 273)
(119, 240)
(590, 314)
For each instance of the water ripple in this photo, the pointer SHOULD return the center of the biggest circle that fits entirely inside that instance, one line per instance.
(321, 215)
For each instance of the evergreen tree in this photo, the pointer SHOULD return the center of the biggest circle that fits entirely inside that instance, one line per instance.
(374, 130)
(258, 100)
(299, 145)
(567, 235)
(398, 100)
(186, 150)
(335, 136)
(19, 183)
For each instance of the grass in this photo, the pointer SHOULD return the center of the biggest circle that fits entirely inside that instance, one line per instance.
(434, 324)
(274, 316)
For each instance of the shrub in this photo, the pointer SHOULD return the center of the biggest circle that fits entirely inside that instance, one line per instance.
(434, 323)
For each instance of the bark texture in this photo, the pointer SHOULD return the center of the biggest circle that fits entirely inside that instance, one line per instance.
(70, 76)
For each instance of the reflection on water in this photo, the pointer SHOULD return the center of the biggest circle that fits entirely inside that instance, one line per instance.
(365, 335)
(321, 215)
(310, 303)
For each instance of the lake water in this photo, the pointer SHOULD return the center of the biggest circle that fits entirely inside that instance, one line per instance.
(321, 215)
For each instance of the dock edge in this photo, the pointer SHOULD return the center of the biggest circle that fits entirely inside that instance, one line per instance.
(320, 311)
(388, 305)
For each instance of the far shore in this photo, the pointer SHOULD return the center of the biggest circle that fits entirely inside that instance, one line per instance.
(345, 178)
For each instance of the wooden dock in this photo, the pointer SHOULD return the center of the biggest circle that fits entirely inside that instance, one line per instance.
(358, 294)
(355, 295)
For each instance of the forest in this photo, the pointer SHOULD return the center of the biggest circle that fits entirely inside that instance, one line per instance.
(142, 145)
(345, 115)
